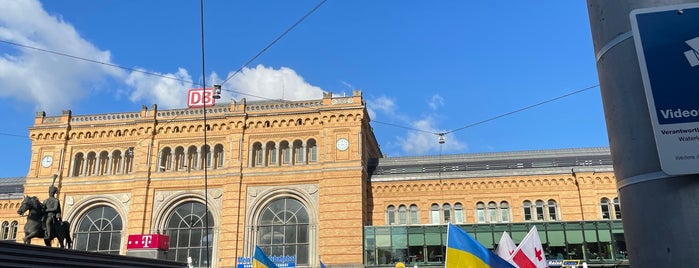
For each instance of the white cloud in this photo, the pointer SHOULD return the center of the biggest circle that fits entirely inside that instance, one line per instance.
(382, 104)
(48, 81)
(168, 92)
(427, 140)
(265, 83)
(435, 102)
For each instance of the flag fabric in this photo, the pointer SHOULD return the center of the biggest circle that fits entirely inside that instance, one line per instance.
(530, 253)
(260, 260)
(463, 251)
(506, 246)
(322, 265)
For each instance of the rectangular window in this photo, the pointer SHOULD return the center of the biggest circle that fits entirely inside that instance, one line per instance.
(299, 155)
(539, 213)
(434, 216)
(505, 214)
(259, 156)
(527, 213)
(552, 214)
(605, 211)
(459, 216)
(287, 155)
(493, 214)
(447, 216)
(273, 156)
(480, 215)
(403, 218)
(314, 154)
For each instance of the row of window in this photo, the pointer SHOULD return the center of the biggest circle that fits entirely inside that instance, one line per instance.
(284, 153)
(192, 159)
(9, 230)
(491, 213)
(104, 163)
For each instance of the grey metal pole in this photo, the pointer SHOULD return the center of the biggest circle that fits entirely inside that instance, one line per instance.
(660, 212)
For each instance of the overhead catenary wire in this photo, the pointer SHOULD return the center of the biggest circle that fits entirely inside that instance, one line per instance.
(491, 118)
(275, 40)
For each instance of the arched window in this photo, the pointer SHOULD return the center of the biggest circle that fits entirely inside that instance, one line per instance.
(99, 230)
(504, 211)
(284, 230)
(434, 214)
(527, 207)
(458, 213)
(188, 226)
(257, 157)
(539, 210)
(103, 163)
(192, 158)
(617, 208)
(180, 164)
(116, 161)
(285, 152)
(13, 230)
(91, 164)
(128, 160)
(402, 214)
(271, 153)
(413, 215)
(312, 151)
(5, 230)
(165, 159)
(552, 210)
(480, 212)
(604, 208)
(391, 214)
(78, 164)
(447, 212)
(218, 155)
(206, 156)
(298, 152)
(492, 212)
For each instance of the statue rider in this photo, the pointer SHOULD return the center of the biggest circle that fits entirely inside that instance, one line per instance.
(52, 208)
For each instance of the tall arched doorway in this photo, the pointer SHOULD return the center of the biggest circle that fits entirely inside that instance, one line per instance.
(283, 230)
(99, 230)
(185, 226)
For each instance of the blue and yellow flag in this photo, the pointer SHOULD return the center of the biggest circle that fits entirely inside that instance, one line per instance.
(322, 265)
(260, 260)
(463, 251)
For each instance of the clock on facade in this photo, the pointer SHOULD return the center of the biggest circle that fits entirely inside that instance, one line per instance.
(46, 161)
(342, 144)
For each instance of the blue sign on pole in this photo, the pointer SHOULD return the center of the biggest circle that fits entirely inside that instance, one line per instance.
(667, 44)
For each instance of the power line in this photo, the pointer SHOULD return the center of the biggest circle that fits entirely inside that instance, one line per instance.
(275, 40)
(98, 62)
(492, 118)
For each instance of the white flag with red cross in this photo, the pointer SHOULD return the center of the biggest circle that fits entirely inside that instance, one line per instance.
(506, 246)
(530, 253)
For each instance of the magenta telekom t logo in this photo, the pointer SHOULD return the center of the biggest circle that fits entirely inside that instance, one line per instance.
(146, 240)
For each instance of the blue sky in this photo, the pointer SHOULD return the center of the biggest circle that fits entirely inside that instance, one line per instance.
(423, 66)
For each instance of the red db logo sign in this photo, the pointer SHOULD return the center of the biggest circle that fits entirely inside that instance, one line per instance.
(198, 97)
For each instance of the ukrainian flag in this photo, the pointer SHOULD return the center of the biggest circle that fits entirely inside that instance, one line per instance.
(465, 252)
(260, 260)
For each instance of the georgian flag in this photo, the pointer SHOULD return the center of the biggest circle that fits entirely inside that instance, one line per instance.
(530, 253)
(506, 246)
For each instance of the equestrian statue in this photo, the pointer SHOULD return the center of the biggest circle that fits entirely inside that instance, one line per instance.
(44, 220)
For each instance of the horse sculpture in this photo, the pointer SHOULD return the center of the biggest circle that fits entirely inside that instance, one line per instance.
(34, 228)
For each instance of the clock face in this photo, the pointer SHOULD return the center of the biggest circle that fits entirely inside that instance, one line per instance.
(342, 144)
(47, 161)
